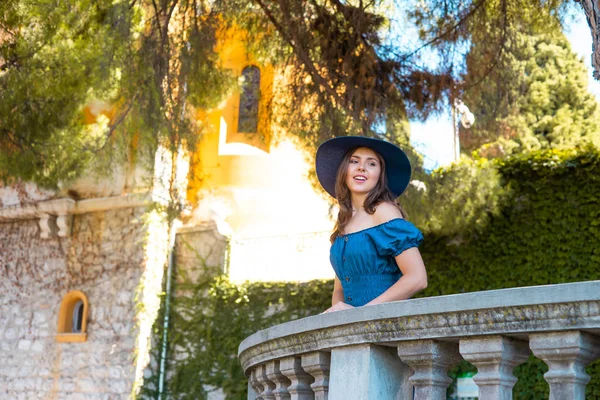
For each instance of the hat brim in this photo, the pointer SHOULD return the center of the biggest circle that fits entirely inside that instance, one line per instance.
(330, 155)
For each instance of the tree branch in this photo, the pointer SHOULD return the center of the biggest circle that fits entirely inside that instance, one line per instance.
(295, 43)
(453, 28)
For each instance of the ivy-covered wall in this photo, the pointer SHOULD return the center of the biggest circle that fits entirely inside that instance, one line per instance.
(209, 323)
(545, 230)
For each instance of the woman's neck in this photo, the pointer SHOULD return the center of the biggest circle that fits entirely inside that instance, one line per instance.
(358, 201)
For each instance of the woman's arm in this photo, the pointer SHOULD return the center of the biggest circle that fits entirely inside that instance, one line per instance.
(413, 280)
(337, 298)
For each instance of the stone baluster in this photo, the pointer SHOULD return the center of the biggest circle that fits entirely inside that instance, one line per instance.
(280, 392)
(299, 389)
(64, 222)
(430, 361)
(255, 383)
(251, 392)
(266, 383)
(317, 364)
(365, 372)
(566, 354)
(45, 225)
(495, 358)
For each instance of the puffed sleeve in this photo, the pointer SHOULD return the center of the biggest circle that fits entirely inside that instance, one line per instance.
(395, 236)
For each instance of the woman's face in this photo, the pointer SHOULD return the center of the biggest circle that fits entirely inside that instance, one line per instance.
(363, 171)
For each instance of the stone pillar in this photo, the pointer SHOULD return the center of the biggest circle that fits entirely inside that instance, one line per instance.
(64, 223)
(317, 364)
(495, 358)
(566, 354)
(251, 392)
(272, 369)
(368, 372)
(266, 383)
(430, 361)
(45, 228)
(299, 389)
(257, 387)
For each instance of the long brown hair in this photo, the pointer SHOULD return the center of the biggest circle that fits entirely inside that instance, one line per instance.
(380, 194)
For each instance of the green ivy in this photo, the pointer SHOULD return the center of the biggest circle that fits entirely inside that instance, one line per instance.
(208, 321)
(545, 231)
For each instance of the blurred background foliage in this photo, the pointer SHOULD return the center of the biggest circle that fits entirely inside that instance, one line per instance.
(347, 63)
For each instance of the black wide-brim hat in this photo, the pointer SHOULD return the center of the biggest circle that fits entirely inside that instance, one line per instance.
(330, 155)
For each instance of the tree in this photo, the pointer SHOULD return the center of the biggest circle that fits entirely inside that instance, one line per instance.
(537, 98)
(52, 61)
(149, 61)
(154, 61)
(352, 77)
(456, 200)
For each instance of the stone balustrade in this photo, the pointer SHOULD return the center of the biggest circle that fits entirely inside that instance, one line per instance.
(404, 349)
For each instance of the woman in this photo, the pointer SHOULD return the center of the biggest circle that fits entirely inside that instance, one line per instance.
(373, 247)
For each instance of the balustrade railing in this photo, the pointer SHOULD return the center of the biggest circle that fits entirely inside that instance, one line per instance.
(403, 350)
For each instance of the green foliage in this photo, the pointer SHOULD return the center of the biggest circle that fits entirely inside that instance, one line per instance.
(210, 317)
(155, 62)
(455, 200)
(350, 68)
(146, 62)
(53, 61)
(544, 230)
(531, 384)
(537, 98)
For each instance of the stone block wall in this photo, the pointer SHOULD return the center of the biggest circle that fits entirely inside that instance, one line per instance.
(105, 258)
(198, 248)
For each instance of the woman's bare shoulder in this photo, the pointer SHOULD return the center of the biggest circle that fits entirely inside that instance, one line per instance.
(385, 212)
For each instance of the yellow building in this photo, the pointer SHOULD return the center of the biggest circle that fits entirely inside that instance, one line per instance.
(254, 186)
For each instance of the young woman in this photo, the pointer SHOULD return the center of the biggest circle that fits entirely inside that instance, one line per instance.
(373, 247)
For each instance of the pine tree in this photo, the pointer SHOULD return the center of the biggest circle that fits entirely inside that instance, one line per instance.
(537, 98)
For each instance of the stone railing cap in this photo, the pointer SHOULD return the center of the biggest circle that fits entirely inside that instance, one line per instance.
(492, 299)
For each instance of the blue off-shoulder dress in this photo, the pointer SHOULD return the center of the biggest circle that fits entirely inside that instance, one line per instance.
(364, 261)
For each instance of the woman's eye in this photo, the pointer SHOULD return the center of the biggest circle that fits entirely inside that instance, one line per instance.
(373, 164)
(353, 162)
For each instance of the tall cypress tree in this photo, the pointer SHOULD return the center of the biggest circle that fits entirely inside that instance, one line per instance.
(536, 98)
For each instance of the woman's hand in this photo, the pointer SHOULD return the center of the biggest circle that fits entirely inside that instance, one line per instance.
(339, 306)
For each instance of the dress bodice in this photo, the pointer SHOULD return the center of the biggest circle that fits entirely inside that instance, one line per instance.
(364, 261)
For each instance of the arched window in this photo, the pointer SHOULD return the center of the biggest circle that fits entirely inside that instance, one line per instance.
(72, 318)
(77, 317)
(249, 97)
